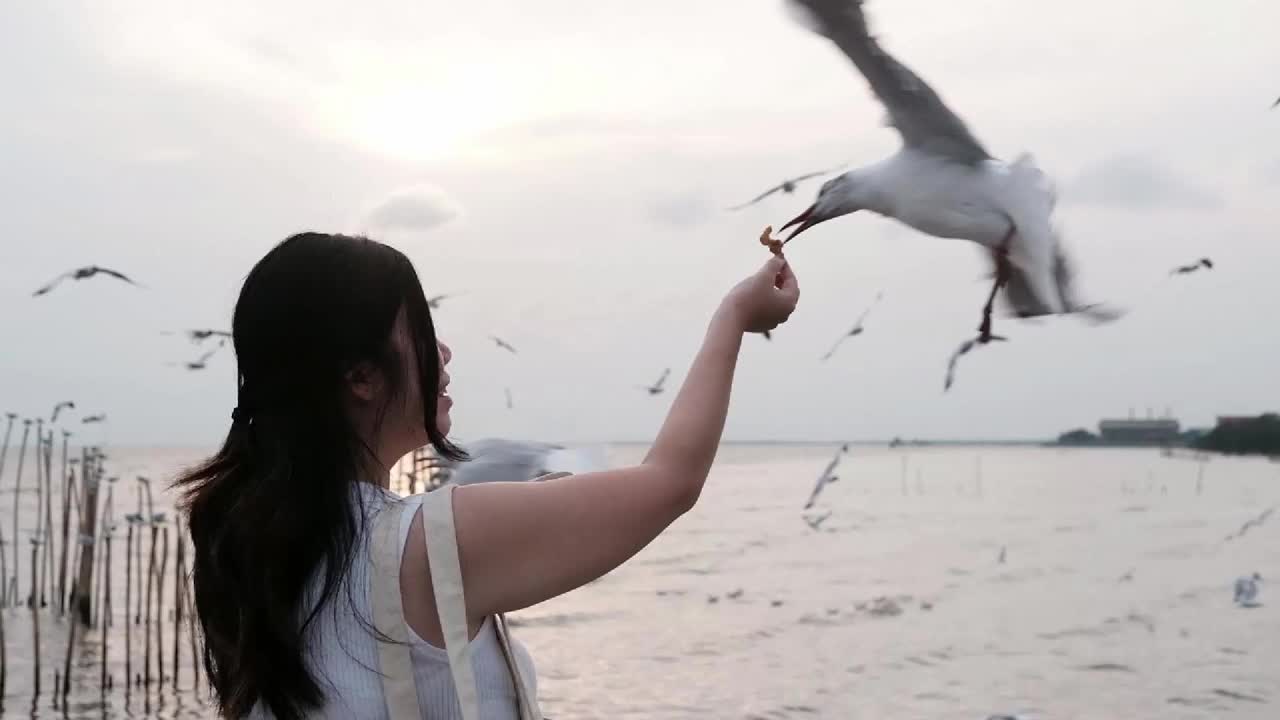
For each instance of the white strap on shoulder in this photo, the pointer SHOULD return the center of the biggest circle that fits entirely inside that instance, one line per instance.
(527, 702)
(446, 581)
(394, 659)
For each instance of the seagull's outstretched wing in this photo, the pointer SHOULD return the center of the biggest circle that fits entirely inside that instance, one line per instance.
(757, 198)
(662, 379)
(917, 112)
(823, 479)
(113, 273)
(51, 284)
(819, 173)
(1026, 304)
(964, 349)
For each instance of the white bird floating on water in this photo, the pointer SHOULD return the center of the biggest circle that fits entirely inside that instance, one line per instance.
(1246, 591)
(943, 182)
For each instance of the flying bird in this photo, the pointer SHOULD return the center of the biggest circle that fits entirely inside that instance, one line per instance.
(199, 336)
(83, 274)
(92, 419)
(658, 387)
(1246, 591)
(201, 362)
(787, 186)
(965, 348)
(815, 522)
(434, 301)
(828, 476)
(503, 344)
(57, 410)
(856, 330)
(1201, 264)
(943, 182)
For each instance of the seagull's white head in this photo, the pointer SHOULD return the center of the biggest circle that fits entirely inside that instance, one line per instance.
(841, 195)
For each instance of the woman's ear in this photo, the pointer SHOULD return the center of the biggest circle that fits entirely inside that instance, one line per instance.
(363, 382)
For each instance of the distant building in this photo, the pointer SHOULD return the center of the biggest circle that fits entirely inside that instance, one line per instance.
(1162, 431)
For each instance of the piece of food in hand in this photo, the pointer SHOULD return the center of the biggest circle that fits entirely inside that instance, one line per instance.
(774, 244)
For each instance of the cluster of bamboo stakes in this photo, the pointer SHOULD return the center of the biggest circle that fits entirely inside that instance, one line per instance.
(76, 587)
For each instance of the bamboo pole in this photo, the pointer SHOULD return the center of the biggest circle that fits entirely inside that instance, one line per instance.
(179, 570)
(46, 568)
(68, 487)
(4, 449)
(4, 649)
(34, 590)
(35, 623)
(160, 572)
(128, 593)
(104, 681)
(17, 490)
(90, 478)
(146, 628)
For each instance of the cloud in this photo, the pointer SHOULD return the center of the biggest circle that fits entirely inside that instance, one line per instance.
(411, 209)
(1138, 182)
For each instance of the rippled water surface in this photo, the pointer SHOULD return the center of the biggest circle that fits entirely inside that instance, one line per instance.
(1113, 600)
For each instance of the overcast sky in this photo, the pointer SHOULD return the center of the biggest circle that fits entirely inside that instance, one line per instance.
(565, 165)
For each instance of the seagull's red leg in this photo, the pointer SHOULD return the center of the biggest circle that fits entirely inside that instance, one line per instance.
(1002, 277)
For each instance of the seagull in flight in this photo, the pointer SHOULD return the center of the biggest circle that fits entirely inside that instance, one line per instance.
(658, 387)
(83, 274)
(503, 344)
(1246, 591)
(92, 419)
(964, 349)
(828, 476)
(199, 336)
(787, 186)
(57, 410)
(943, 182)
(434, 301)
(816, 521)
(1201, 264)
(856, 330)
(201, 362)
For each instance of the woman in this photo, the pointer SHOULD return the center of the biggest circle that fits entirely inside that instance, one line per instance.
(340, 375)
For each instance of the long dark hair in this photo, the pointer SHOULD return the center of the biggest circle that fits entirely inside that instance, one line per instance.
(275, 505)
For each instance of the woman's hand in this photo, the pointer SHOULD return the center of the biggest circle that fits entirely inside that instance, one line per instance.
(764, 300)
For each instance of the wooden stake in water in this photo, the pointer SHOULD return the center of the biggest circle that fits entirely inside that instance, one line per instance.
(137, 549)
(12, 591)
(151, 576)
(34, 590)
(35, 621)
(179, 572)
(106, 603)
(90, 478)
(74, 626)
(160, 571)
(4, 650)
(68, 485)
(4, 449)
(128, 593)
(46, 567)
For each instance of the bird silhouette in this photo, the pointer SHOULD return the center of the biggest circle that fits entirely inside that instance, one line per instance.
(1201, 264)
(199, 336)
(83, 274)
(855, 330)
(786, 186)
(658, 387)
(503, 344)
(201, 362)
(92, 419)
(434, 301)
(57, 410)
(964, 349)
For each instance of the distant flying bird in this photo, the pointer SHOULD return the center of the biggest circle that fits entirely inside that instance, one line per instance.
(199, 336)
(201, 362)
(828, 476)
(1246, 591)
(787, 186)
(1201, 264)
(1275, 104)
(964, 349)
(816, 522)
(91, 419)
(57, 409)
(856, 330)
(658, 387)
(942, 181)
(507, 392)
(503, 344)
(82, 274)
(434, 301)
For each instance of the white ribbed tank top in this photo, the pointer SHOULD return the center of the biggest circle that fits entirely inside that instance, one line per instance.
(342, 652)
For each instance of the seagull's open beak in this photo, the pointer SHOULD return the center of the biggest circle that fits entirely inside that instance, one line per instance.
(803, 221)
